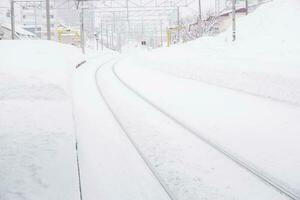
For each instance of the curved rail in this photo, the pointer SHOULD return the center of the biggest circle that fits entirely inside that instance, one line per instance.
(242, 163)
(147, 162)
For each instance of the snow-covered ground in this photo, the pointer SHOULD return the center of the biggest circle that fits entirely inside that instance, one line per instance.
(263, 61)
(242, 96)
(37, 141)
(261, 132)
(190, 168)
(111, 168)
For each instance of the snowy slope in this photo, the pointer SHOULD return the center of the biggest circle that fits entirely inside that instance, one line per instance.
(263, 61)
(37, 144)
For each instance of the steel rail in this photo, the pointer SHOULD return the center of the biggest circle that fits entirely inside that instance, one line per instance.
(240, 162)
(134, 144)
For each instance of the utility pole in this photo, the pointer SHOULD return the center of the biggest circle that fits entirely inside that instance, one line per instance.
(48, 20)
(82, 43)
(97, 40)
(35, 21)
(142, 21)
(12, 19)
(178, 15)
(247, 7)
(200, 18)
(200, 13)
(114, 21)
(112, 38)
(155, 37)
(161, 34)
(128, 23)
(119, 41)
(233, 21)
(101, 31)
(107, 43)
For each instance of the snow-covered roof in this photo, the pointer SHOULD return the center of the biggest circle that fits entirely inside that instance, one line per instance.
(18, 29)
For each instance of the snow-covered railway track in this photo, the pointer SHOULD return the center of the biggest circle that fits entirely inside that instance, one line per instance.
(147, 162)
(263, 176)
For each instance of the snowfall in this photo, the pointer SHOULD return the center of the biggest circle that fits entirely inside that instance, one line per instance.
(207, 119)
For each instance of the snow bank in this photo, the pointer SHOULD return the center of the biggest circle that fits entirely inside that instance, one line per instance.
(37, 149)
(264, 60)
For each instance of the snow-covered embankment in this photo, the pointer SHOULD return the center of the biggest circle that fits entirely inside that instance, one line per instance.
(264, 60)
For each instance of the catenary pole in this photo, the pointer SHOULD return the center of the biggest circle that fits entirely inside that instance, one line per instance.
(233, 21)
(200, 12)
(200, 17)
(128, 22)
(101, 32)
(178, 15)
(161, 34)
(48, 20)
(12, 19)
(107, 39)
(112, 37)
(82, 29)
(35, 21)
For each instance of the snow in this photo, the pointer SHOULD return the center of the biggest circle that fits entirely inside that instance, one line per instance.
(18, 30)
(264, 60)
(37, 143)
(234, 120)
(192, 169)
(111, 167)
(243, 96)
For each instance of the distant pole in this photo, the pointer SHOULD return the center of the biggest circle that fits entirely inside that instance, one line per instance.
(161, 34)
(35, 21)
(97, 40)
(48, 20)
(12, 19)
(200, 18)
(82, 29)
(178, 15)
(155, 36)
(128, 23)
(142, 22)
(101, 31)
(233, 21)
(107, 42)
(114, 21)
(247, 7)
(200, 13)
(127, 11)
(97, 44)
(92, 11)
(112, 38)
